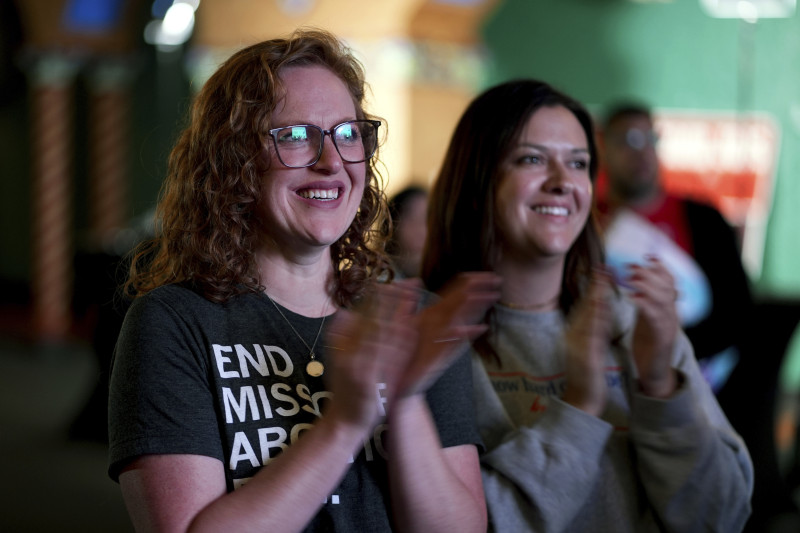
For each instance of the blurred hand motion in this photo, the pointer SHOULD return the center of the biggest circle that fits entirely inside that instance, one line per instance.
(387, 339)
(587, 339)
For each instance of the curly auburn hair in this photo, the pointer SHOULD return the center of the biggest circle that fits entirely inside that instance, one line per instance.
(206, 228)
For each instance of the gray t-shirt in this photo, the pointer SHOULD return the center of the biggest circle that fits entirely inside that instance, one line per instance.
(228, 381)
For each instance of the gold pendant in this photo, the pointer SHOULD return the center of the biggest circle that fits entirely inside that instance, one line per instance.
(314, 368)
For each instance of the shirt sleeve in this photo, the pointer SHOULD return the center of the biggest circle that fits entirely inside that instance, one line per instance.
(160, 398)
(717, 252)
(565, 445)
(451, 403)
(695, 469)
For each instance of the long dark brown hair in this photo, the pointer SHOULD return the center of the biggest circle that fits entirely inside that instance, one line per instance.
(206, 231)
(462, 222)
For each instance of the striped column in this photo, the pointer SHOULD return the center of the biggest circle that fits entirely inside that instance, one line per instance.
(108, 149)
(52, 128)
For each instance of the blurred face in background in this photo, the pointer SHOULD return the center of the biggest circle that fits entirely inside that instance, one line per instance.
(630, 158)
(410, 234)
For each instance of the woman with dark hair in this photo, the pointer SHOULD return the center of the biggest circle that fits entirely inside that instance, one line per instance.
(409, 211)
(589, 401)
(261, 362)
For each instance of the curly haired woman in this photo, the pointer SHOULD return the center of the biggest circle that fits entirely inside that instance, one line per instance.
(263, 380)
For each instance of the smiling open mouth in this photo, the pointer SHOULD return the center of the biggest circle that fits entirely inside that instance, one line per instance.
(319, 194)
(551, 210)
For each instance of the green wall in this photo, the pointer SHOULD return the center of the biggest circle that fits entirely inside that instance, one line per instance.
(671, 55)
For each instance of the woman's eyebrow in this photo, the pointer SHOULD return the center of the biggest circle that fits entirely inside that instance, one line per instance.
(544, 147)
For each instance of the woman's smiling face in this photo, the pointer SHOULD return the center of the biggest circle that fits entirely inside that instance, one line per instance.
(311, 206)
(545, 192)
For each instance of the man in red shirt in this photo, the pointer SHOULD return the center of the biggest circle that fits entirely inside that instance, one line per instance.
(693, 239)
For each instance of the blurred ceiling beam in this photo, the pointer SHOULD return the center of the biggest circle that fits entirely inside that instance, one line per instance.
(45, 27)
(234, 23)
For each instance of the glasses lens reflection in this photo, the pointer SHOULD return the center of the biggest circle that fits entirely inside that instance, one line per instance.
(301, 145)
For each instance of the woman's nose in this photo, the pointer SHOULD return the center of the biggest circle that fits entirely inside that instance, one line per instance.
(558, 179)
(329, 161)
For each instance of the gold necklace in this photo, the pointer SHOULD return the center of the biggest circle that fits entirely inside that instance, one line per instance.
(530, 307)
(314, 368)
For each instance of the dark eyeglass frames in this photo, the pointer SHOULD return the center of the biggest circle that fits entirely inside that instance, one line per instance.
(301, 145)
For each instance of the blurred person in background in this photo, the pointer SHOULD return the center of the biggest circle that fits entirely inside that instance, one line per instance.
(408, 209)
(716, 304)
(694, 240)
(590, 403)
(263, 380)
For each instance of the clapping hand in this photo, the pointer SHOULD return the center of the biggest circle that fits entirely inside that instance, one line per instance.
(444, 328)
(387, 340)
(656, 327)
(369, 345)
(587, 339)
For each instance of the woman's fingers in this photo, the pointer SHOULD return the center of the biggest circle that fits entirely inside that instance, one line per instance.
(466, 299)
(657, 326)
(652, 283)
(447, 326)
(387, 340)
(587, 339)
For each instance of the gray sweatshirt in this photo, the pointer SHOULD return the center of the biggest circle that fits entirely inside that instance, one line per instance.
(645, 465)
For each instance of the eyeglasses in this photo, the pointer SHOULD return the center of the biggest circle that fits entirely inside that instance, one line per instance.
(638, 139)
(301, 145)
